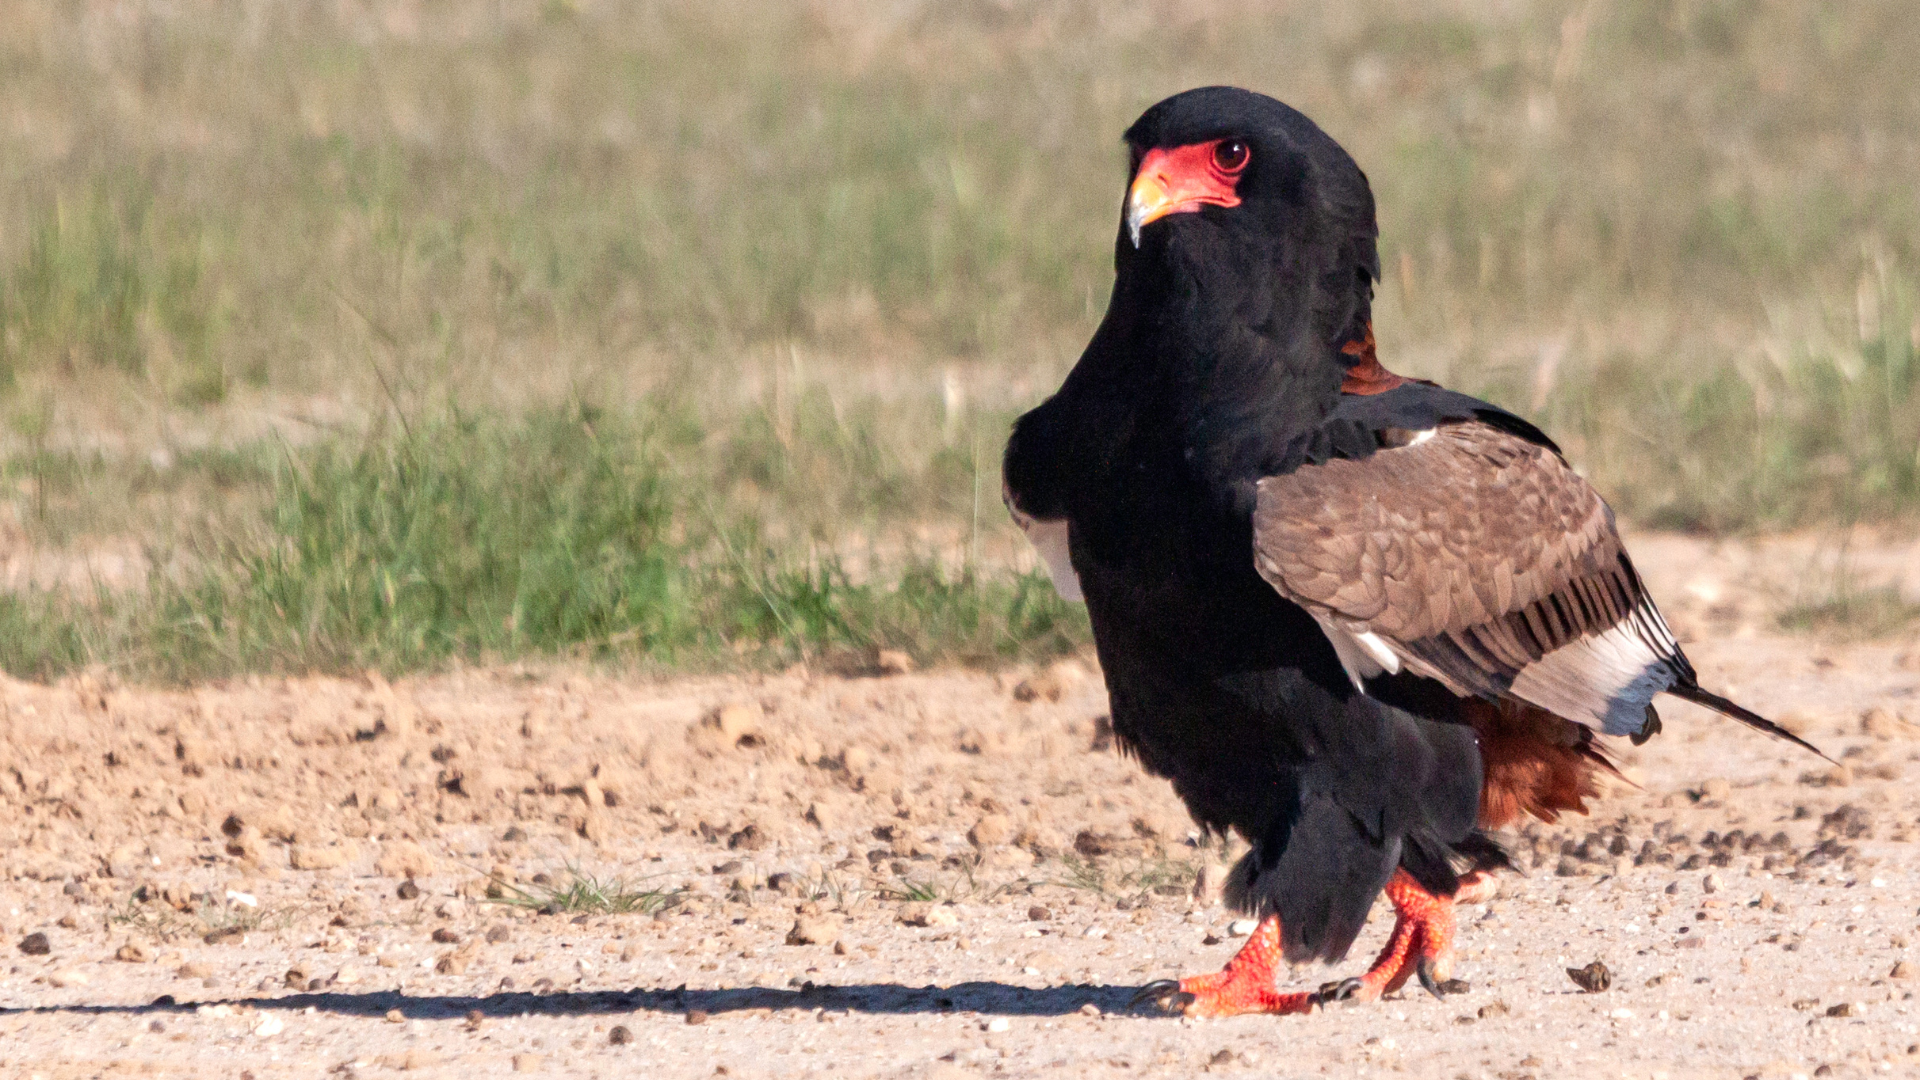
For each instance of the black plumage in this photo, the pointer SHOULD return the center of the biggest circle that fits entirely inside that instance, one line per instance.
(1216, 364)
(1353, 617)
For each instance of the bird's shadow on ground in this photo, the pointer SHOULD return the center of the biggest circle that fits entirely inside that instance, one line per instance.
(1000, 999)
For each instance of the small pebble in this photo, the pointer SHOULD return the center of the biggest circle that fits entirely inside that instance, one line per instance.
(1241, 927)
(1594, 978)
(619, 1036)
(36, 944)
(696, 1016)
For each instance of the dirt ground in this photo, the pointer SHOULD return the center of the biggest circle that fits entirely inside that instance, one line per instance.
(942, 874)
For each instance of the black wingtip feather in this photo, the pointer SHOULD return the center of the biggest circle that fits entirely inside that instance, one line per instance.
(1711, 700)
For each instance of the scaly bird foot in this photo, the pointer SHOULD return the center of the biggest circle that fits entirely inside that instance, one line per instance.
(1421, 943)
(1245, 985)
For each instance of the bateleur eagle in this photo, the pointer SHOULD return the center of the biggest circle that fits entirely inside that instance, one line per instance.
(1354, 617)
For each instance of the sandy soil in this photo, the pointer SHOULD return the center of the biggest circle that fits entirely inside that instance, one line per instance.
(225, 880)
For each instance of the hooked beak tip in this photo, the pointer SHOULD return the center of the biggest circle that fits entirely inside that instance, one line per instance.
(1147, 202)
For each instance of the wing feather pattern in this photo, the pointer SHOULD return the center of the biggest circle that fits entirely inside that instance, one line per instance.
(1477, 558)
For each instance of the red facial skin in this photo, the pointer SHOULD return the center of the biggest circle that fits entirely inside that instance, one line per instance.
(1183, 179)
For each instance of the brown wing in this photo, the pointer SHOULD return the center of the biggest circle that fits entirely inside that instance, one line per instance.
(1477, 558)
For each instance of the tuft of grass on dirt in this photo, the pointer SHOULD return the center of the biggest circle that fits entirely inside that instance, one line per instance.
(1135, 880)
(844, 891)
(962, 882)
(577, 891)
(161, 920)
(1088, 875)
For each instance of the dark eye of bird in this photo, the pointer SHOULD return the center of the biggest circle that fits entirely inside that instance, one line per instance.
(1230, 155)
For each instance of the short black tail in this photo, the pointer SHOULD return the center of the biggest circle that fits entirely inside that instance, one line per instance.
(1693, 693)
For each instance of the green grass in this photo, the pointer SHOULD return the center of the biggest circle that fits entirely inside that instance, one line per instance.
(105, 282)
(579, 892)
(491, 538)
(299, 310)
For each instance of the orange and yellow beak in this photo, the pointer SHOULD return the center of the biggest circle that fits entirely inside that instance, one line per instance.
(1178, 181)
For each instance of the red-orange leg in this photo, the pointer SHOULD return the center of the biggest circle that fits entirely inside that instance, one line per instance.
(1421, 942)
(1245, 985)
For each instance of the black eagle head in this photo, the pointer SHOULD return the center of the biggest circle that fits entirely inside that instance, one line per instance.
(1236, 194)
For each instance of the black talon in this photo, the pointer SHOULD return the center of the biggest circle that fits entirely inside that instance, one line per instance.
(1425, 970)
(1162, 991)
(1437, 988)
(1338, 991)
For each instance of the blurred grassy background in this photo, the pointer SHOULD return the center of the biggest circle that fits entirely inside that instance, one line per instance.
(386, 334)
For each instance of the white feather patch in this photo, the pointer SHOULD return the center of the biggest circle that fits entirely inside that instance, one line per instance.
(1363, 653)
(1049, 539)
(1604, 681)
(1401, 438)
